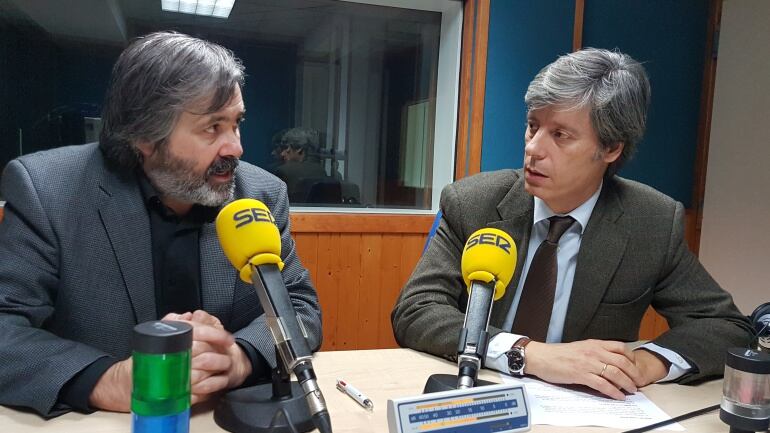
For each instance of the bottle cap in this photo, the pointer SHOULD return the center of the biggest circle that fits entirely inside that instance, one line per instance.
(162, 337)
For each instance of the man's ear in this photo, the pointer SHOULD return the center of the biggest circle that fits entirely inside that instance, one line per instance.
(611, 156)
(145, 148)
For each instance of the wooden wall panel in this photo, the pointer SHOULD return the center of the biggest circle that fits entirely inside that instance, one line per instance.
(358, 264)
(391, 285)
(327, 284)
(359, 223)
(307, 250)
(370, 283)
(348, 312)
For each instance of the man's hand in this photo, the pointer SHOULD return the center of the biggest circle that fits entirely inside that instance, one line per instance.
(218, 363)
(113, 390)
(652, 368)
(606, 366)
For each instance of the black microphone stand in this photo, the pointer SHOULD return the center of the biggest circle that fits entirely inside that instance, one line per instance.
(276, 407)
(282, 406)
(472, 345)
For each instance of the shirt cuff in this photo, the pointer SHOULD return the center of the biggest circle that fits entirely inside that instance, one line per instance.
(679, 367)
(498, 345)
(260, 370)
(77, 392)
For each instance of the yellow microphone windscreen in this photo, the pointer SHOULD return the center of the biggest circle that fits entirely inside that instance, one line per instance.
(489, 254)
(249, 236)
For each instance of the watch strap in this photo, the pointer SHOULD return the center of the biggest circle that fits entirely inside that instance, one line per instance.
(521, 342)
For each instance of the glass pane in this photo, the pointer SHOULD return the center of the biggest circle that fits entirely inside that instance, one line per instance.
(340, 96)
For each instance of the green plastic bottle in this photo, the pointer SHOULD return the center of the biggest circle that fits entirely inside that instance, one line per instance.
(160, 398)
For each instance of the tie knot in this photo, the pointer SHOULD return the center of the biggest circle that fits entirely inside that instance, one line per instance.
(559, 225)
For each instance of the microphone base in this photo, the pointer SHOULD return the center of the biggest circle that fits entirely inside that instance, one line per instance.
(256, 410)
(447, 382)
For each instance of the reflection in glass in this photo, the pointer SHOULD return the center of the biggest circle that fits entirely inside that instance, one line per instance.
(359, 81)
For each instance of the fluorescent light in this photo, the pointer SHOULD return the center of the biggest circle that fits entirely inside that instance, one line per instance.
(188, 6)
(170, 5)
(206, 8)
(222, 8)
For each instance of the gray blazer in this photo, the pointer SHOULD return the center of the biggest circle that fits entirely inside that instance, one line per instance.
(632, 255)
(76, 271)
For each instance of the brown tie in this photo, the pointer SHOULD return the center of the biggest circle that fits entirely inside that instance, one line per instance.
(536, 303)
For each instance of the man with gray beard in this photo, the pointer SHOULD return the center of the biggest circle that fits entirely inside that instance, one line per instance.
(100, 237)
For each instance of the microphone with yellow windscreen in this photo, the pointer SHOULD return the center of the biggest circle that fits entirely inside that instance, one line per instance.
(489, 255)
(252, 243)
(488, 262)
(249, 236)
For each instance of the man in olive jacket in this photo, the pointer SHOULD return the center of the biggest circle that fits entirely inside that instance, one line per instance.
(623, 251)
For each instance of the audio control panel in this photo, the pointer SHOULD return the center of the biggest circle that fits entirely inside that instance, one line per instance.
(485, 409)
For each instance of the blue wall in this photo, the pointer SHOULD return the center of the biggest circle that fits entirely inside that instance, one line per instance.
(668, 36)
(524, 36)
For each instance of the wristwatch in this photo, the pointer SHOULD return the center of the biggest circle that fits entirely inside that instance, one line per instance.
(516, 357)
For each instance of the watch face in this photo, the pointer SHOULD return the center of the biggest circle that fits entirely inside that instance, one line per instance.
(515, 360)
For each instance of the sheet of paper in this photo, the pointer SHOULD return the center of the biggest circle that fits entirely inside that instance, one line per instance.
(562, 406)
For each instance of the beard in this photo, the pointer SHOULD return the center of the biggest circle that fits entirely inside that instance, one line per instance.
(176, 178)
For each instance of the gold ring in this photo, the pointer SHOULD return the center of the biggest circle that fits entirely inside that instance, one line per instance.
(603, 370)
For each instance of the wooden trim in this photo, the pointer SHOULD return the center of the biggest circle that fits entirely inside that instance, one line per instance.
(704, 121)
(360, 223)
(577, 31)
(473, 75)
(690, 235)
(466, 63)
(479, 85)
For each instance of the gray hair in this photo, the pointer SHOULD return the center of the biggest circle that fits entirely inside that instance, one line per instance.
(301, 137)
(154, 80)
(612, 84)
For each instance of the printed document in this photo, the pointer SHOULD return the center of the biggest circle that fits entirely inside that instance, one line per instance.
(573, 407)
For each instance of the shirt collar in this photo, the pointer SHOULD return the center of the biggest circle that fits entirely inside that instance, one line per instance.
(581, 213)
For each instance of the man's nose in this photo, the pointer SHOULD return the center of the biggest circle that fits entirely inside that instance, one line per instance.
(232, 145)
(535, 147)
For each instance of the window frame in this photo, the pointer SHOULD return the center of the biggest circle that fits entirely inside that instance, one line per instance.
(447, 102)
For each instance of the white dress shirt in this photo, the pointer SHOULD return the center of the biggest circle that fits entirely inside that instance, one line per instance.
(566, 255)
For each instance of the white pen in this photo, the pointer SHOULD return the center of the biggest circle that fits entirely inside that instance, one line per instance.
(355, 394)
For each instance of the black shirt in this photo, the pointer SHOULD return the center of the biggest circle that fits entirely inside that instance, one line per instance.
(176, 256)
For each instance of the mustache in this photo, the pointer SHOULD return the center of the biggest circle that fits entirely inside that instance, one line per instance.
(222, 166)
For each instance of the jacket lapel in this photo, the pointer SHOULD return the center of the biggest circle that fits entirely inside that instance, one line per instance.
(516, 213)
(125, 220)
(218, 277)
(601, 250)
